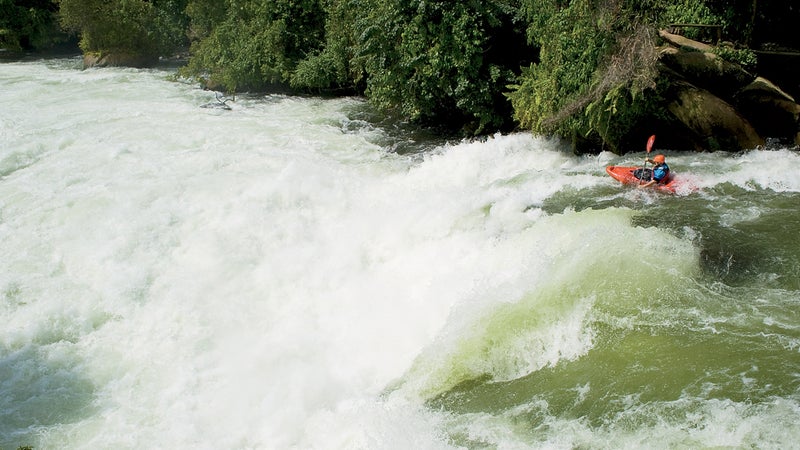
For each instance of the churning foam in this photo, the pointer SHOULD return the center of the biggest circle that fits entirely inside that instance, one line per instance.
(269, 277)
(208, 279)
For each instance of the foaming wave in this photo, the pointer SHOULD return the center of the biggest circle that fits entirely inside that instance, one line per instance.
(756, 169)
(555, 275)
(683, 423)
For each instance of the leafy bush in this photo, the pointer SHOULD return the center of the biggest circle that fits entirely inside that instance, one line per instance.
(331, 67)
(441, 61)
(690, 12)
(254, 43)
(29, 25)
(742, 56)
(134, 27)
(433, 61)
(575, 40)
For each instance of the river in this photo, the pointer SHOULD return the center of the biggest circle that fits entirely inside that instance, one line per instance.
(289, 274)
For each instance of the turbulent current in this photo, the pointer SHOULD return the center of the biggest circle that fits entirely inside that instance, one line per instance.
(278, 275)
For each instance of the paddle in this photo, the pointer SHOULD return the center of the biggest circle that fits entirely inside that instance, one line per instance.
(650, 143)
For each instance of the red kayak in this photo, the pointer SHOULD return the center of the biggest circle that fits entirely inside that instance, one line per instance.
(639, 175)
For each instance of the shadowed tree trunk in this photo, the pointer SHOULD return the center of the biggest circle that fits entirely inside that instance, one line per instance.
(752, 30)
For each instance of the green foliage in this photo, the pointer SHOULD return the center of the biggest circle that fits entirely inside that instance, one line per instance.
(597, 76)
(689, 11)
(436, 61)
(255, 43)
(171, 23)
(742, 56)
(204, 16)
(573, 41)
(432, 61)
(321, 71)
(747, 22)
(135, 27)
(29, 25)
(615, 117)
(330, 68)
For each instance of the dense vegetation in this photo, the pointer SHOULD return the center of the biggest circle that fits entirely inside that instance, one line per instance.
(136, 27)
(253, 44)
(580, 68)
(435, 61)
(30, 24)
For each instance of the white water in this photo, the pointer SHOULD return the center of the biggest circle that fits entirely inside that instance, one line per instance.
(272, 277)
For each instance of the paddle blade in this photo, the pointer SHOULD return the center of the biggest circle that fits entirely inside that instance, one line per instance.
(650, 143)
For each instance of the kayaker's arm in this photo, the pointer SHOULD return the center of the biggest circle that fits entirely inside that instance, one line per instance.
(648, 184)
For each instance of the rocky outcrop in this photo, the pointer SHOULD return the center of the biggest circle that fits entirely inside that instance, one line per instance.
(771, 111)
(716, 124)
(717, 104)
(707, 70)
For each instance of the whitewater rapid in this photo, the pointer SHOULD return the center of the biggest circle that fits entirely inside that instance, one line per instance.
(275, 276)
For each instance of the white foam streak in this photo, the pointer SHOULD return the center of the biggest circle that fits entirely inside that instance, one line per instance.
(756, 169)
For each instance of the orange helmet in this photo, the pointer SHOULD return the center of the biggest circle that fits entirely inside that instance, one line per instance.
(659, 159)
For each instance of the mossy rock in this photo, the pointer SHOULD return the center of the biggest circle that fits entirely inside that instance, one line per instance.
(772, 112)
(717, 123)
(118, 59)
(707, 70)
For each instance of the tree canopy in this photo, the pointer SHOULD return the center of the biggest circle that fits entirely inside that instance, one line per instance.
(142, 28)
(28, 25)
(253, 44)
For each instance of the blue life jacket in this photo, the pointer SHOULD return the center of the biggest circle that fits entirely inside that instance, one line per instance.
(661, 173)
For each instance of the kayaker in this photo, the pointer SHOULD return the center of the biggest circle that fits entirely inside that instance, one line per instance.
(660, 171)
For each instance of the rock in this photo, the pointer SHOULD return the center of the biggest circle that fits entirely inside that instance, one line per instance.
(771, 111)
(714, 121)
(707, 70)
(120, 59)
(721, 105)
(684, 43)
(582, 145)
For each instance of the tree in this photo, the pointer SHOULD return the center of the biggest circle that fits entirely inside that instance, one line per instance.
(253, 44)
(443, 62)
(332, 67)
(29, 24)
(140, 28)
